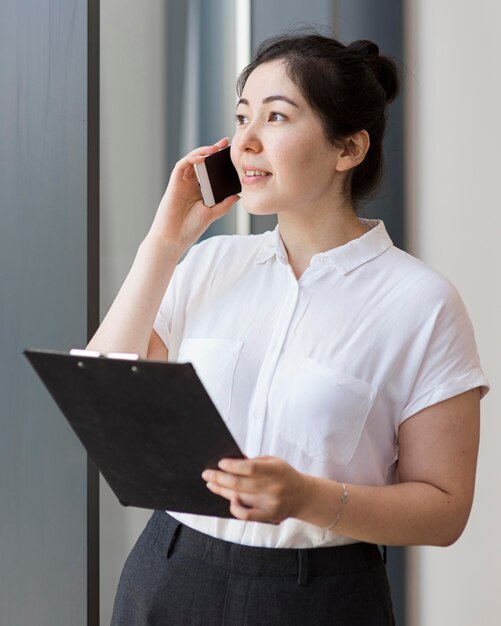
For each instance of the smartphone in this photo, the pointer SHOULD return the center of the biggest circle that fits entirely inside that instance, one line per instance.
(217, 177)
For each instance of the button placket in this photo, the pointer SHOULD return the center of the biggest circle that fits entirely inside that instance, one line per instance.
(260, 401)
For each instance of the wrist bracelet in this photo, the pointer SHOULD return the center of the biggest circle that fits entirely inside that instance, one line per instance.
(343, 501)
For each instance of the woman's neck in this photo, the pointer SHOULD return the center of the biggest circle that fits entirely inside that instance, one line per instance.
(305, 236)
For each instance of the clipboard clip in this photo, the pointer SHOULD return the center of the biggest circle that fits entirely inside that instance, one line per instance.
(127, 356)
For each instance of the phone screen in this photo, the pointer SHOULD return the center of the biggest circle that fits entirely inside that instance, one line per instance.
(217, 177)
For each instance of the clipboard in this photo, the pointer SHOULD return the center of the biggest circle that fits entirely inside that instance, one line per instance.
(149, 426)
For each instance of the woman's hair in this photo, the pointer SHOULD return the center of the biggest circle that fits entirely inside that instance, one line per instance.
(348, 87)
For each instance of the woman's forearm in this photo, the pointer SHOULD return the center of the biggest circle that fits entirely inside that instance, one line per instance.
(409, 513)
(128, 324)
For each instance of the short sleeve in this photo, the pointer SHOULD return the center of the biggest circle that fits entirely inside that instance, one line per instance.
(189, 286)
(170, 303)
(450, 364)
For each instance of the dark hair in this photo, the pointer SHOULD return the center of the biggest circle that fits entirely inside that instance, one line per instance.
(348, 86)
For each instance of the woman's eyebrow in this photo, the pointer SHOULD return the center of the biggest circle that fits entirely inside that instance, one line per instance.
(270, 99)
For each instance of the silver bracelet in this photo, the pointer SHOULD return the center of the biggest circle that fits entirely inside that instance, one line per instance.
(343, 501)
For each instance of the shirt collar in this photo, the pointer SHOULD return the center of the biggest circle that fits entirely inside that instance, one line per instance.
(272, 246)
(344, 258)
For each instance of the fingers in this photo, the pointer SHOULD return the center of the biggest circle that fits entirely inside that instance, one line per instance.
(248, 513)
(231, 486)
(220, 209)
(248, 467)
(198, 155)
(258, 489)
(243, 506)
(238, 476)
(242, 467)
(230, 494)
(229, 482)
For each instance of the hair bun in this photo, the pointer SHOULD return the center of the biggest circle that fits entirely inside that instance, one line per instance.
(383, 66)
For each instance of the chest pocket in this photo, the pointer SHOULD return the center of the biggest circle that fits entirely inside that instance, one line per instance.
(215, 361)
(326, 412)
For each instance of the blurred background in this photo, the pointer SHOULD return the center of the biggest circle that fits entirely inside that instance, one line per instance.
(98, 99)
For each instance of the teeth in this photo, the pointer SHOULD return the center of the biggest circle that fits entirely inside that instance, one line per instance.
(255, 173)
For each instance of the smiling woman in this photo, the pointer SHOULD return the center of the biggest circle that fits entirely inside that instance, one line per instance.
(280, 135)
(345, 369)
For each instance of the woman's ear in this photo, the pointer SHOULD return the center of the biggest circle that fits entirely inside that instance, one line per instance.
(355, 149)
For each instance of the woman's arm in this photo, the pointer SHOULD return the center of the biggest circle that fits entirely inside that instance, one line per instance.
(180, 220)
(430, 505)
(128, 324)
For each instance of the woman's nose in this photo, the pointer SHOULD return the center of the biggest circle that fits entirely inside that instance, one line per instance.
(247, 139)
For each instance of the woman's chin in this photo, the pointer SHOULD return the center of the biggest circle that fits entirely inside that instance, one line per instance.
(255, 207)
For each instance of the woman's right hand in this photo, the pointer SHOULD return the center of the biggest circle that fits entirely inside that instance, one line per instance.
(182, 216)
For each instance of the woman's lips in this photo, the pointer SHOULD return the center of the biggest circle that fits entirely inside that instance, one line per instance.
(254, 177)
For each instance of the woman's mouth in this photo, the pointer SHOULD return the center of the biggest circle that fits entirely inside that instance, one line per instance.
(253, 176)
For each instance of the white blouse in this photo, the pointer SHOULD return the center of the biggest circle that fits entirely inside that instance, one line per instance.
(319, 371)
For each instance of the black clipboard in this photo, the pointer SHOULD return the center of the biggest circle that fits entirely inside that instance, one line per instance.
(149, 426)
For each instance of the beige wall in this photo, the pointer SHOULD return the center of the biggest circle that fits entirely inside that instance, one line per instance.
(454, 172)
(133, 176)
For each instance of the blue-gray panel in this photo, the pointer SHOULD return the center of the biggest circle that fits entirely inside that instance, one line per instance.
(272, 18)
(382, 22)
(43, 285)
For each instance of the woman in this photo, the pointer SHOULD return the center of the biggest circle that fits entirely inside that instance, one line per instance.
(346, 369)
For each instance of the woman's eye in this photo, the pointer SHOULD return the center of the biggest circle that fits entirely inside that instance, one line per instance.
(277, 117)
(240, 119)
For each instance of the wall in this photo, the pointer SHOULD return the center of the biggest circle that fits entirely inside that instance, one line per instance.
(43, 304)
(454, 224)
(134, 174)
(272, 18)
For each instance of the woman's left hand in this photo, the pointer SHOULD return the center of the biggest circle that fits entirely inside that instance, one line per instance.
(262, 489)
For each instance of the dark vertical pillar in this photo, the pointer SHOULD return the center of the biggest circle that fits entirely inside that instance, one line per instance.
(93, 286)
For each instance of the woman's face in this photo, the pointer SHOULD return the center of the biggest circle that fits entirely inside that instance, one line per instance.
(280, 151)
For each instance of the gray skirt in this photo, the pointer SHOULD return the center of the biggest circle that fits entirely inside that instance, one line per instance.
(178, 576)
